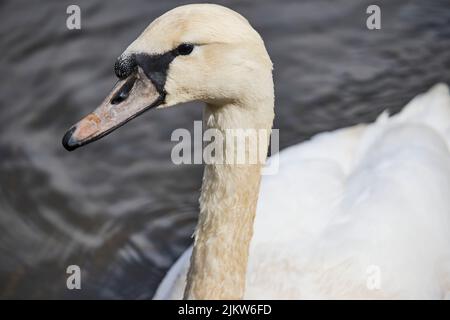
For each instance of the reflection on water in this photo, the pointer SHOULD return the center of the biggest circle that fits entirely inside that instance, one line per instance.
(119, 208)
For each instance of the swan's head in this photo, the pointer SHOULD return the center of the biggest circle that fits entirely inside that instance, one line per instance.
(192, 53)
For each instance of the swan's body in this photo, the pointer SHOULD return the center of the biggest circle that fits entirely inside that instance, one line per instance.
(351, 205)
(362, 212)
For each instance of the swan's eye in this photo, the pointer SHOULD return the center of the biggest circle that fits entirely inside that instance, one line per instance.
(185, 48)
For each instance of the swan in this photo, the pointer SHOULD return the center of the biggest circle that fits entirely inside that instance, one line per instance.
(358, 213)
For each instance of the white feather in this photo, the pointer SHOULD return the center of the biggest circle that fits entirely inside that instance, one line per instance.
(361, 212)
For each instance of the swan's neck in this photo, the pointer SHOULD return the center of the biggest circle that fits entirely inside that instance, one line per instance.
(227, 207)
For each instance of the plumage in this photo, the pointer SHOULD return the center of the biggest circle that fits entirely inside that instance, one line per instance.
(349, 205)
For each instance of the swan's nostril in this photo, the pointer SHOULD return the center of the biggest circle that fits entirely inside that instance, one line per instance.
(124, 91)
(121, 96)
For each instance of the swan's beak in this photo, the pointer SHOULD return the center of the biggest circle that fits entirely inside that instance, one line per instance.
(128, 99)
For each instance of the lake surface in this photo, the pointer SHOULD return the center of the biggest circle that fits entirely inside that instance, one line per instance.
(119, 208)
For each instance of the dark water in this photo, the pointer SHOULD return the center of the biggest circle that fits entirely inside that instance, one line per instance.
(119, 208)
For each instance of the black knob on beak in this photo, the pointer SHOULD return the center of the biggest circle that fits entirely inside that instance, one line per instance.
(125, 66)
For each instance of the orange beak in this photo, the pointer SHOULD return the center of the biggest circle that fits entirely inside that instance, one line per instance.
(128, 99)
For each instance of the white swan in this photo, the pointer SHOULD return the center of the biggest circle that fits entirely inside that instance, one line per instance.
(361, 212)
(352, 207)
